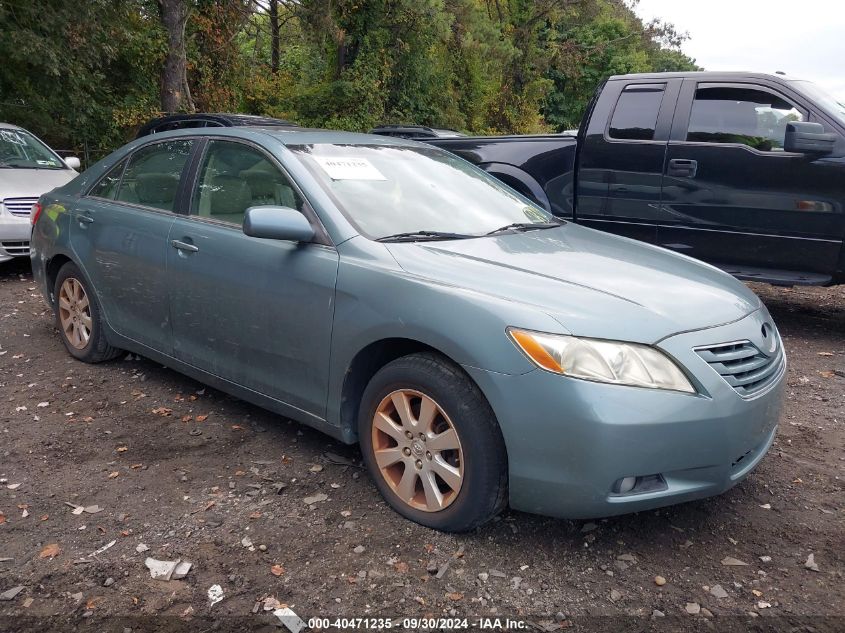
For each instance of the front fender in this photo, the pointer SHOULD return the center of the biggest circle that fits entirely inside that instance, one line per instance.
(381, 301)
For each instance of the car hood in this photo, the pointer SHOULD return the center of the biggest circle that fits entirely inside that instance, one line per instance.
(31, 183)
(594, 284)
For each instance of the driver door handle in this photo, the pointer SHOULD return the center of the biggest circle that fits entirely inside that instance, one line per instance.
(184, 246)
(682, 168)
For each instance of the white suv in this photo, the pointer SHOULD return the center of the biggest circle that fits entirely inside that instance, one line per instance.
(28, 168)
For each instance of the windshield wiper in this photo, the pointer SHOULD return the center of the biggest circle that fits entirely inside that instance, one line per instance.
(525, 226)
(419, 236)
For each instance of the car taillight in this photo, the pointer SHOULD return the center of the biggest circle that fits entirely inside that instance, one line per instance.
(36, 211)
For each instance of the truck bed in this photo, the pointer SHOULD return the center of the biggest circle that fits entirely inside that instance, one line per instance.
(540, 167)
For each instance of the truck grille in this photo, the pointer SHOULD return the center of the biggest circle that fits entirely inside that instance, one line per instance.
(19, 206)
(743, 366)
(16, 248)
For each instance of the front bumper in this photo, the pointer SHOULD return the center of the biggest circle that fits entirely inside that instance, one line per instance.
(14, 236)
(570, 441)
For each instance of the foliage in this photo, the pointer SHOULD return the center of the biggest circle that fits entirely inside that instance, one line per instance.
(85, 74)
(607, 39)
(78, 73)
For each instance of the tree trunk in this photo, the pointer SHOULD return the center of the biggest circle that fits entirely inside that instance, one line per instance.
(175, 94)
(274, 35)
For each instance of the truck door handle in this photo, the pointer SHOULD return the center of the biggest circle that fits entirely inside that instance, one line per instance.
(184, 246)
(84, 219)
(682, 168)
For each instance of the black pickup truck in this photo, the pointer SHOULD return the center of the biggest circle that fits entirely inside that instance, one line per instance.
(745, 171)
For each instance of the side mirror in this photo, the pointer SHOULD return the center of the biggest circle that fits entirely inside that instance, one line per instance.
(277, 223)
(73, 162)
(808, 138)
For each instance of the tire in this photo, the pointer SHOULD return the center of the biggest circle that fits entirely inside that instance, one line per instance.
(74, 297)
(453, 489)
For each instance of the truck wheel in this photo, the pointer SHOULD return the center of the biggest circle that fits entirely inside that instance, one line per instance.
(78, 317)
(432, 444)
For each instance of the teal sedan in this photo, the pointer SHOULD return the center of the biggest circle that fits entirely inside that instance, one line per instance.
(480, 351)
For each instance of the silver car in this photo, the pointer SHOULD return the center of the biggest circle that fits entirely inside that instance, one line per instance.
(28, 168)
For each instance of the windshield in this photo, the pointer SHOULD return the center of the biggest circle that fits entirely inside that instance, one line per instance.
(386, 190)
(830, 104)
(20, 149)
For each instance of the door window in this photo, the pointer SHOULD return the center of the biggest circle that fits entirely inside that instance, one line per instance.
(107, 187)
(153, 174)
(234, 177)
(749, 116)
(635, 115)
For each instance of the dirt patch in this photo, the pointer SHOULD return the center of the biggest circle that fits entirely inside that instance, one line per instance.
(193, 474)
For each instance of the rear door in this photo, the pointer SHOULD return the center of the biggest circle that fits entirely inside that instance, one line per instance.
(256, 312)
(119, 231)
(620, 167)
(733, 197)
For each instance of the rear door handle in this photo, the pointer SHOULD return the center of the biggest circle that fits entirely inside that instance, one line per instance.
(85, 219)
(184, 246)
(682, 168)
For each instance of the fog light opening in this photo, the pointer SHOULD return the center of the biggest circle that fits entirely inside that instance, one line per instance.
(639, 485)
(625, 485)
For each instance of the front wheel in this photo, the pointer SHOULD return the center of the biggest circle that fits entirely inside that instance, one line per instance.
(432, 444)
(78, 317)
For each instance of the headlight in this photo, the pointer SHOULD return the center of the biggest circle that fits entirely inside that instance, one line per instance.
(614, 362)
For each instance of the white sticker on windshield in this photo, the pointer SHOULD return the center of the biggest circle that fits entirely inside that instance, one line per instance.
(348, 168)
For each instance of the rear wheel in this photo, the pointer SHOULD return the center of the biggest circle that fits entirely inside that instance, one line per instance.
(78, 317)
(432, 444)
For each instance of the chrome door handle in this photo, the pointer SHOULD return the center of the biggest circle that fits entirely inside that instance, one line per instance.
(85, 219)
(184, 246)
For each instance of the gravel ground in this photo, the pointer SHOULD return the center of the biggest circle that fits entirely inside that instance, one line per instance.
(139, 459)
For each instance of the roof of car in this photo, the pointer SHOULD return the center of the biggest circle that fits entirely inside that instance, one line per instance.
(704, 74)
(291, 135)
(420, 130)
(11, 125)
(235, 118)
(223, 119)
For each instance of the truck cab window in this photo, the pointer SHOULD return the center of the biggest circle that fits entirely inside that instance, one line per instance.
(635, 115)
(747, 116)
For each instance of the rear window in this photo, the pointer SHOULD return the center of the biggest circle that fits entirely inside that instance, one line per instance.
(635, 115)
(107, 187)
(152, 176)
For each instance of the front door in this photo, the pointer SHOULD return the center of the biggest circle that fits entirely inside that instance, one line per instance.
(734, 198)
(256, 312)
(119, 232)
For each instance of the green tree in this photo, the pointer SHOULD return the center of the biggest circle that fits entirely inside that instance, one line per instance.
(72, 72)
(602, 39)
(86, 74)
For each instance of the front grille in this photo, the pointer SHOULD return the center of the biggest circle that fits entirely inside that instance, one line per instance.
(16, 248)
(20, 206)
(743, 366)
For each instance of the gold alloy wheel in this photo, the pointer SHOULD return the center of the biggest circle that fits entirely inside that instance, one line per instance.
(417, 450)
(75, 313)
